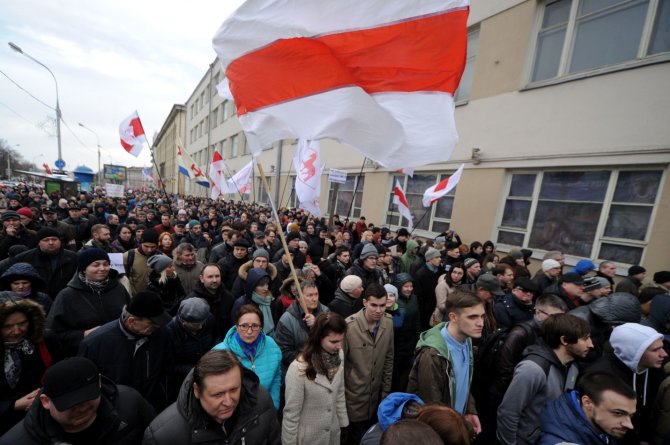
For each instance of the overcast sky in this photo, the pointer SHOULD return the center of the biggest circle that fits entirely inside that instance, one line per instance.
(109, 58)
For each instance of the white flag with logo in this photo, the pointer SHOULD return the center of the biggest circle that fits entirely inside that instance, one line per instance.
(216, 168)
(241, 181)
(307, 164)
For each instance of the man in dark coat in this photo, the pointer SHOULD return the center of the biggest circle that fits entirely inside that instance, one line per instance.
(517, 306)
(425, 281)
(14, 233)
(77, 405)
(220, 300)
(366, 267)
(230, 265)
(81, 227)
(219, 402)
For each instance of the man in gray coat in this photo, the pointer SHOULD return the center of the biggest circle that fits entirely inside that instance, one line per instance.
(545, 373)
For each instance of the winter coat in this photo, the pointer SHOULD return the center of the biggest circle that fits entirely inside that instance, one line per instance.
(34, 362)
(291, 333)
(230, 267)
(661, 410)
(531, 389)
(315, 410)
(78, 308)
(406, 335)
(368, 365)
(442, 292)
(344, 305)
(24, 237)
(408, 257)
(57, 277)
(240, 284)
(510, 311)
(123, 415)
(171, 291)
(432, 377)
(630, 285)
(511, 352)
(563, 421)
(220, 306)
(659, 312)
(139, 273)
(185, 422)
(425, 282)
(25, 271)
(81, 229)
(266, 364)
(368, 276)
(129, 359)
(188, 276)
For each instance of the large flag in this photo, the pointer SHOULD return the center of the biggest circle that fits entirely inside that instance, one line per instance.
(443, 187)
(400, 200)
(307, 164)
(378, 75)
(132, 134)
(241, 181)
(189, 168)
(216, 168)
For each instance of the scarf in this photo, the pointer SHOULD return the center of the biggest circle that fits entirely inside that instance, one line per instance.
(249, 349)
(286, 301)
(329, 364)
(13, 359)
(95, 286)
(264, 305)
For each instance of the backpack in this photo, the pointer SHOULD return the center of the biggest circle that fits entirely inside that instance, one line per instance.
(129, 261)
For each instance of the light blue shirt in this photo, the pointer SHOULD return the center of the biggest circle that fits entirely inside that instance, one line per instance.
(460, 358)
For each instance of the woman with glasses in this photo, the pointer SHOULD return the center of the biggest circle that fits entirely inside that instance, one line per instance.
(315, 405)
(255, 350)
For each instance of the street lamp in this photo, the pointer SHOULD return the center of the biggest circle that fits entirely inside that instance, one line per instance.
(98, 138)
(18, 49)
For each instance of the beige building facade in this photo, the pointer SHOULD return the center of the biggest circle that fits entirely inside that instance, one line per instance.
(165, 151)
(562, 114)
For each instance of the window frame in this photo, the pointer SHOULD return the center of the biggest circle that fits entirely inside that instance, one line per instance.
(599, 237)
(641, 59)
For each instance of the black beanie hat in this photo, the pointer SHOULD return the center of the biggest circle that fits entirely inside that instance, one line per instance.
(150, 236)
(87, 256)
(46, 232)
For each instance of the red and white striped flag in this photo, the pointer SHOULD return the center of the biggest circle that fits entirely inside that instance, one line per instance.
(443, 187)
(400, 200)
(47, 169)
(132, 134)
(378, 75)
(216, 168)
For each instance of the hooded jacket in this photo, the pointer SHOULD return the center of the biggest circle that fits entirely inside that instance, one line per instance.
(25, 271)
(123, 415)
(659, 315)
(240, 284)
(408, 256)
(389, 412)
(531, 389)
(78, 308)
(185, 422)
(563, 421)
(368, 276)
(432, 376)
(629, 342)
(253, 277)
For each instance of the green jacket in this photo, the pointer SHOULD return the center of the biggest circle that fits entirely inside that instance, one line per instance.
(432, 377)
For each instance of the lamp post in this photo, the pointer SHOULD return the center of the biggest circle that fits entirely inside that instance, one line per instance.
(18, 49)
(98, 138)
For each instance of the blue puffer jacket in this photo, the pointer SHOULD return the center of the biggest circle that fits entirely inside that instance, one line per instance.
(266, 364)
(563, 421)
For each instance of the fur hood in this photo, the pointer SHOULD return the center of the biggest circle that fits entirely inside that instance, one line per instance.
(32, 310)
(243, 272)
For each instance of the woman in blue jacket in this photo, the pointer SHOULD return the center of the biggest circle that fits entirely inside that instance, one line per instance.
(255, 350)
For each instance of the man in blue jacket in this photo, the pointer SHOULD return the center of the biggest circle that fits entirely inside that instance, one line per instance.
(597, 413)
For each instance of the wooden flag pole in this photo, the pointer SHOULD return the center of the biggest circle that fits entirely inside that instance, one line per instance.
(301, 298)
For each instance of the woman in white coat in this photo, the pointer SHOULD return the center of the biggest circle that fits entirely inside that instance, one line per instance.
(315, 407)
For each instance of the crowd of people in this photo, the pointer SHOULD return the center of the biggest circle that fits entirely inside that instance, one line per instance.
(151, 319)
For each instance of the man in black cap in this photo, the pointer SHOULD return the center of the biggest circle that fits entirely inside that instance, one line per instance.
(79, 406)
(633, 281)
(230, 265)
(55, 265)
(81, 227)
(51, 220)
(570, 288)
(133, 350)
(135, 261)
(517, 306)
(13, 233)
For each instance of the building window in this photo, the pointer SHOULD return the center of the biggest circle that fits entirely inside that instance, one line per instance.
(345, 196)
(222, 113)
(214, 118)
(436, 218)
(602, 214)
(465, 87)
(580, 35)
(234, 146)
(200, 129)
(197, 105)
(261, 195)
(192, 113)
(293, 201)
(192, 132)
(226, 109)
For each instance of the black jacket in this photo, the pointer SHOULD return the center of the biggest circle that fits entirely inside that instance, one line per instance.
(344, 305)
(56, 274)
(185, 422)
(123, 416)
(79, 308)
(510, 311)
(133, 360)
(368, 276)
(25, 237)
(425, 281)
(220, 306)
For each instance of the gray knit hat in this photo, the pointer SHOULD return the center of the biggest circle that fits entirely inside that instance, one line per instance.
(193, 309)
(431, 254)
(368, 251)
(159, 263)
(261, 253)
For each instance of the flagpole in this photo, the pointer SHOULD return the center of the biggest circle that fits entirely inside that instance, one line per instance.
(282, 237)
(153, 159)
(353, 197)
(420, 219)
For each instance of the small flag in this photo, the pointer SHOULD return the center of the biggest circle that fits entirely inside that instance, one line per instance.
(146, 172)
(132, 134)
(46, 168)
(216, 168)
(241, 181)
(189, 168)
(307, 164)
(443, 187)
(400, 200)
(409, 171)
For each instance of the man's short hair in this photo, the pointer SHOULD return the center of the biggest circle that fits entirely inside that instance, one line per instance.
(500, 269)
(551, 301)
(461, 299)
(595, 384)
(605, 264)
(183, 247)
(307, 283)
(340, 250)
(214, 362)
(98, 227)
(375, 290)
(410, 431)
(564, 325)
(552, 255)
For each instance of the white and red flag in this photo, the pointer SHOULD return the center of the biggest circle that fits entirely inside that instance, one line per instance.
(400, 200)
(307, 164)
(241, 181)
(188, 167)
(132, 134)
(378, 75)
(216, 168)
(47, 169)
(409, 171)
(443, 187)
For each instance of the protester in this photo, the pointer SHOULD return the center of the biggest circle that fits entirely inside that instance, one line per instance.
(23, 280)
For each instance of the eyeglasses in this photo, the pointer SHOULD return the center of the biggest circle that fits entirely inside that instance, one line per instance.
(246, 326)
